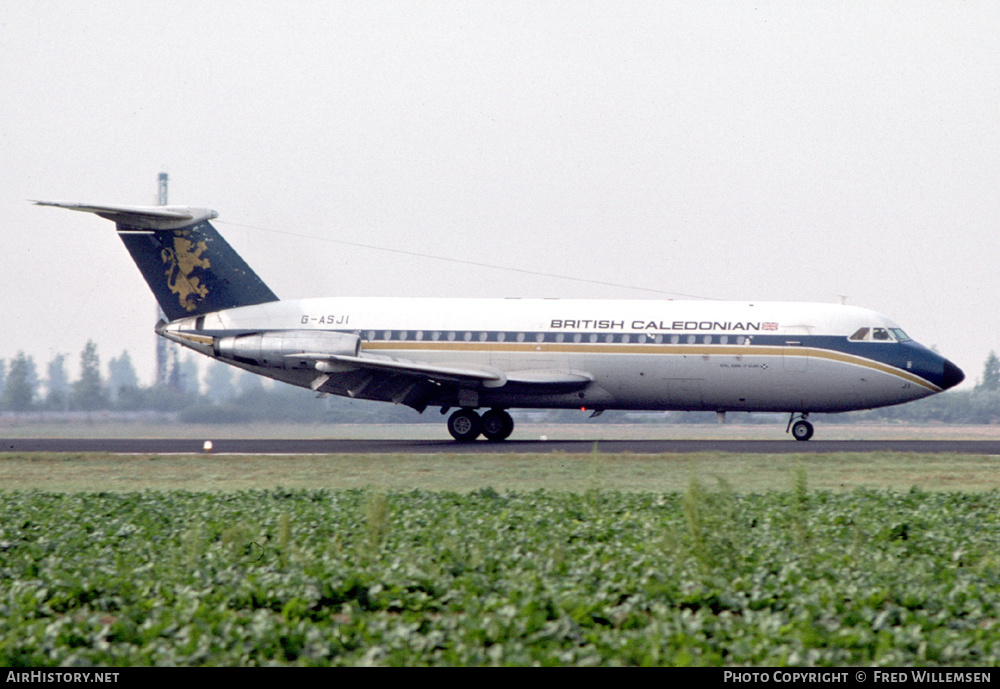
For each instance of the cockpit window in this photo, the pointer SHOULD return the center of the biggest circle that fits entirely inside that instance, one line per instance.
(878, 335)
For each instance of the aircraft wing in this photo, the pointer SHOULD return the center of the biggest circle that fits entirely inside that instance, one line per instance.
(339, 363)
(548, 380)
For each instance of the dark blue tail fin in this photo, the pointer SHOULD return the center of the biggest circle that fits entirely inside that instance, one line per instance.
(187, 264)
(193, 271)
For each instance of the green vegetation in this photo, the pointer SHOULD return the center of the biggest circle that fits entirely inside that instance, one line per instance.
(507, 472)
(702, 576)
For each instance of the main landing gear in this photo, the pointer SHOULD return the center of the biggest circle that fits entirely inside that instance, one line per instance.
(466, 425)
(801, 429)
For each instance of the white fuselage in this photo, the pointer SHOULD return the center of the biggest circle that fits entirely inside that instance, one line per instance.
(655, 355)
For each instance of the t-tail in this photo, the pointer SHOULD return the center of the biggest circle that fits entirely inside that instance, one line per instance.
(187, 264)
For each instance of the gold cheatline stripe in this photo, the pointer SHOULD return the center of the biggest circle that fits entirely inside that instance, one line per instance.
(201, 339)
(694, 350)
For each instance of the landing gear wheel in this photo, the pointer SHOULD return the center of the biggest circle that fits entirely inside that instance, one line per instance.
(465, 425)
(802, 430)
(497, 425)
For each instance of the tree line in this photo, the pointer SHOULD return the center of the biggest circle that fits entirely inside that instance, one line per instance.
(232, 396)
(228, 394)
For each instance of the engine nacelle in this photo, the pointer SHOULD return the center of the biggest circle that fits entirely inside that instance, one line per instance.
(277, 349)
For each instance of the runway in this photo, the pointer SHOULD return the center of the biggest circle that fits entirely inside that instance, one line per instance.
(337, 446)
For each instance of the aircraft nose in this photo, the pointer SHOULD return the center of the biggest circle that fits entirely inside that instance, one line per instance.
(953, 375)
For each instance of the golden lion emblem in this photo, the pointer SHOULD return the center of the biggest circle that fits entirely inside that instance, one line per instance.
(180, 261)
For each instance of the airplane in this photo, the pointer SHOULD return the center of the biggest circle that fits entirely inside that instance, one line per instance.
(500, 354)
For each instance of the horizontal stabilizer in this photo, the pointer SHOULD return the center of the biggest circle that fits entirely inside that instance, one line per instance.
(189, 267)
(141, 217)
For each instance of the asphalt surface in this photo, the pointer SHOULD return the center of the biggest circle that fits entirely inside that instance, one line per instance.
(188, 446)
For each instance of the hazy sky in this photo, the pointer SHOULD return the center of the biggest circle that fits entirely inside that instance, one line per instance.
(791, 151)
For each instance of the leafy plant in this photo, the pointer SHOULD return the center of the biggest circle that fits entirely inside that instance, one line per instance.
(355, 577)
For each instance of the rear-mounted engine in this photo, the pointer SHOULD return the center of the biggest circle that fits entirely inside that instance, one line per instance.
(277, 349)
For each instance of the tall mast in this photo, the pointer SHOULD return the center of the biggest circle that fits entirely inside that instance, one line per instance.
(162, 364)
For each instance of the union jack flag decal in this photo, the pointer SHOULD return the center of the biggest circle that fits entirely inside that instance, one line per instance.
(768, 326)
